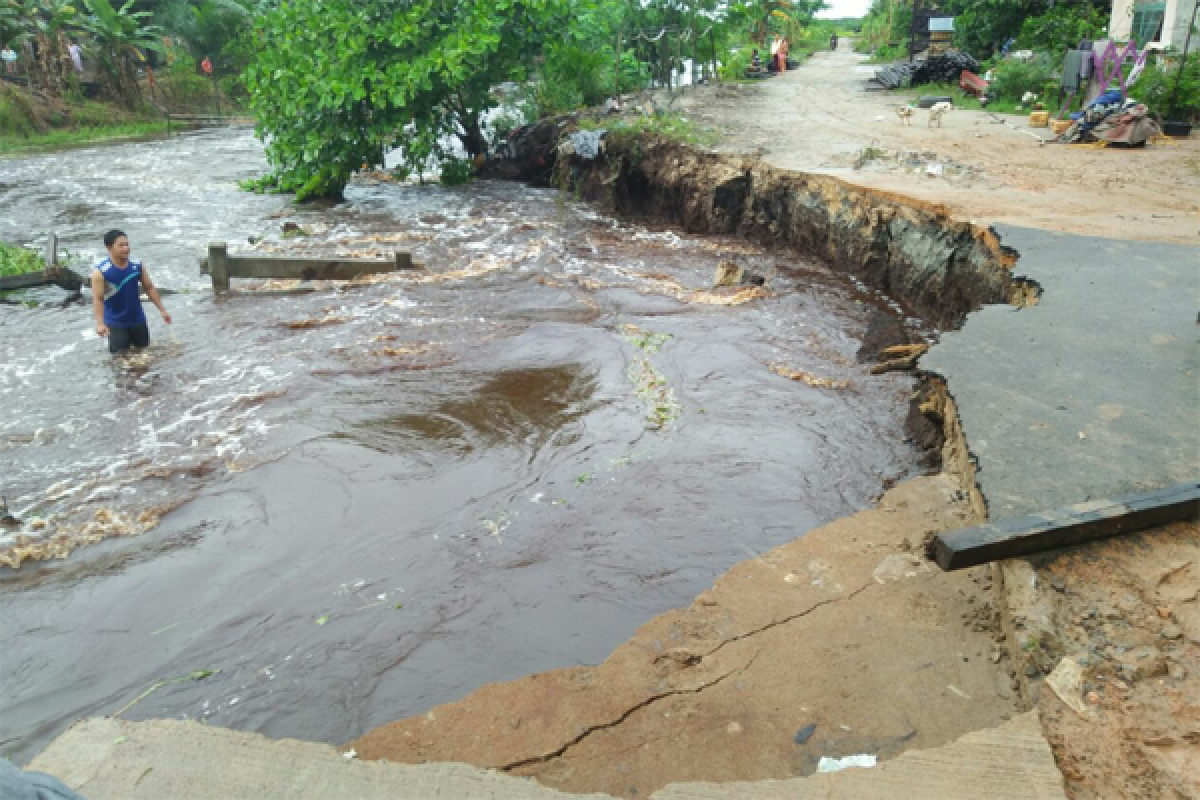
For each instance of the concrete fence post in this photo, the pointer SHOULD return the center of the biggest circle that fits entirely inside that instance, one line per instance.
(218, 266)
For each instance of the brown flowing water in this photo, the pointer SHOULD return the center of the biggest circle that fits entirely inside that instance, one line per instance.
(353, 504)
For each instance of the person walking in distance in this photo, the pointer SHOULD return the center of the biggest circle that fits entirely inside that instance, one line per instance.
(117, 282)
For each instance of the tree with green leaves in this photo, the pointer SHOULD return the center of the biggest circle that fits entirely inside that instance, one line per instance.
(118, 34)
(336, 83)
(983, 26)
(47, 24)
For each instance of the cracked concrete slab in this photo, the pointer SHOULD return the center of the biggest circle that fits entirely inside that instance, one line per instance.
(1092, 393)
(110, 759)
(1010, 762)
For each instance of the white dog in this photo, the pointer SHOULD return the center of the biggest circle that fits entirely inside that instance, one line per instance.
(937, 111)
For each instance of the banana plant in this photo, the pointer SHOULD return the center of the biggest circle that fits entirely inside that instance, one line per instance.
(119, 36)
(47, 23)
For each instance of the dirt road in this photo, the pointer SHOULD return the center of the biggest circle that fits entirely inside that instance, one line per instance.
(985, 168)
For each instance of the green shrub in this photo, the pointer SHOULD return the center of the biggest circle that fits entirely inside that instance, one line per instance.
(554, 97)
(16, 260)
(182, 85)
(455, 172)
(1156, 88)
(17, 114)
(1013, 78)
(736, 62)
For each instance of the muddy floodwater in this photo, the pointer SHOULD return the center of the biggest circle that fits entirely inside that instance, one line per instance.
(311, 514)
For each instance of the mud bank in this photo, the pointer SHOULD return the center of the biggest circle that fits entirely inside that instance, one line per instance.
(941, 267)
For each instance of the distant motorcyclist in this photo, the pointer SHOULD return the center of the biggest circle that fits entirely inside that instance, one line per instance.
(833, 41)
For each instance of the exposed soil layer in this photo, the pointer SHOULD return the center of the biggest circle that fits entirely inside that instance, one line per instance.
(943, 268)
(1127, 611)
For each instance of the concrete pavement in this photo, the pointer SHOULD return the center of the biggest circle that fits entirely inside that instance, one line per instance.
(1092, 393)
(109, 759)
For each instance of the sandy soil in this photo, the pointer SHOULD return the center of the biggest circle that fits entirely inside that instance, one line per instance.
(1127, 611)
(822, 118)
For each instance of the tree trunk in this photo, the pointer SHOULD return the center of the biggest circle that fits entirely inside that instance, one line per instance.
(47, 66)
(472, 137)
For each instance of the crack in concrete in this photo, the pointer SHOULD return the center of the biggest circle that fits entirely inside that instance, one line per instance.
(542, 759)
(792, 618)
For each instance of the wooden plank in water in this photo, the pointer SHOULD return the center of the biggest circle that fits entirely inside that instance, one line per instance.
(1063, 527)
(26, 280)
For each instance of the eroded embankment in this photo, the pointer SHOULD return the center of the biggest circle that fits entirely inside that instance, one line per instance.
(941, 267)
(844, 641)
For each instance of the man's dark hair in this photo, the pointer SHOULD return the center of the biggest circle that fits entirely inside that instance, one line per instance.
(112, 236)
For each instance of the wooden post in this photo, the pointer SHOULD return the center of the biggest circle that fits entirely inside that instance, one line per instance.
(218, 266)
(404, 261)
(617, 71)
(51, 258)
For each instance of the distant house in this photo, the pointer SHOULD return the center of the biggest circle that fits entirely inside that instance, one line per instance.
(1158, 23)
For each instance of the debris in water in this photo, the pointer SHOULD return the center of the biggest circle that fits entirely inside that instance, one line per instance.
(350, 754)
(321, 620)
(808, 378)
(197, 675)
(7, 520)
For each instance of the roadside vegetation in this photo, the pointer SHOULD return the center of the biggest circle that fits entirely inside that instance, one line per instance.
(139, 59)
(17, 260)
(337, 84)
(674, 126)
(1041, 31)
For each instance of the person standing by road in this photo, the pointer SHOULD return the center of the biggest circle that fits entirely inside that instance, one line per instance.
(9, 56)
(117, 282)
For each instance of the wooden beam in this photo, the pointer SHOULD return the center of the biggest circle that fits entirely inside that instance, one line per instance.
(26, 280)
(1063, 527)
(62, 277)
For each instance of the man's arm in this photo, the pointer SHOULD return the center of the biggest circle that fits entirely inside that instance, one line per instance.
(152, 293)
(98, 302)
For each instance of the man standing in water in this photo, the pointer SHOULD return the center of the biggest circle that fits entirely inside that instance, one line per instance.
(117, 282)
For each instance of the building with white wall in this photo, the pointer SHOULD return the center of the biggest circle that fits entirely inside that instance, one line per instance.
(1158, 23)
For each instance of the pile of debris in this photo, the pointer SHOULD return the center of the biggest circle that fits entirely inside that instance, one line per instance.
(944, 68)
(1113, 119)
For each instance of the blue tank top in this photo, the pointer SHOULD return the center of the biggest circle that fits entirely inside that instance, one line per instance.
(122, 294)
